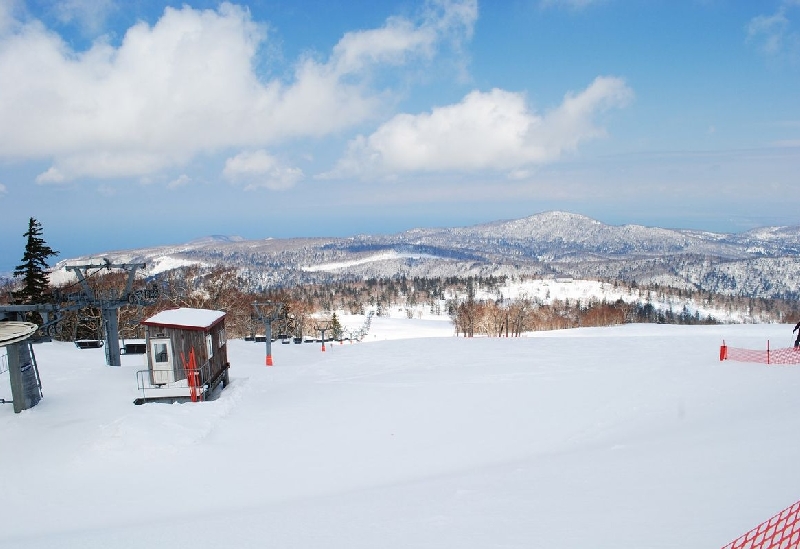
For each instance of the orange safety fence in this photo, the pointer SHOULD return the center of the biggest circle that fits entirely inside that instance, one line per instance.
(780, 532)
(784, 355)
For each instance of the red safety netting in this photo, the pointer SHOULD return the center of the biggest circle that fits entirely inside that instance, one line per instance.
(786, 355)
(780, 532)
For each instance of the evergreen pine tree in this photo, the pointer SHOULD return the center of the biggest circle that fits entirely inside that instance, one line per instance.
(336, 328)
(34, 262)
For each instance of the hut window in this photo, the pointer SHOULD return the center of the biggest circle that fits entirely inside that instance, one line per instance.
(209, 345)
(222, 337)
(160, 352)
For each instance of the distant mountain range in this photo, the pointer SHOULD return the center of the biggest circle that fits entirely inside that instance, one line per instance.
(758, 263)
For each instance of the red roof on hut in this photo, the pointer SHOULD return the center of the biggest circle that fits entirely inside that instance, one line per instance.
(186, 318)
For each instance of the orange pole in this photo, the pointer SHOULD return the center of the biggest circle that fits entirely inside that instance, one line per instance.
(191, 374)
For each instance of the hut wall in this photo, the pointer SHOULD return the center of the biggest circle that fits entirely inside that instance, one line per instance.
(219, 344)
(184, 340)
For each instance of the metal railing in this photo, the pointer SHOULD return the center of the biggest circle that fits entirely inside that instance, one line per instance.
(194, 385)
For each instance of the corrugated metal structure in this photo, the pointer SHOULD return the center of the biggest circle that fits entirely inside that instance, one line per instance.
(187, 355)
(26, 386)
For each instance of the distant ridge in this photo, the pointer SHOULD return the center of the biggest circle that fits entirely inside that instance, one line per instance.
(758, 263)
(216, 238)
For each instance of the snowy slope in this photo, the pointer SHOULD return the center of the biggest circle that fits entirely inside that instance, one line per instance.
(627, 437)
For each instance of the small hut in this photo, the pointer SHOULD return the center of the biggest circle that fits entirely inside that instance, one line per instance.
(187, 354)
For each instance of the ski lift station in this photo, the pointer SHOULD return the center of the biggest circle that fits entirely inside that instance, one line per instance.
(187, 356)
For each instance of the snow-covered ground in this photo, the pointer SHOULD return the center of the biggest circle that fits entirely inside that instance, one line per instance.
(626, 437)
(546, 291)
(383, 256)
(584, 292)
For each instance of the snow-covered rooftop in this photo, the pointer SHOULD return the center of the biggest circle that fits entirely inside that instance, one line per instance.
(185, 317)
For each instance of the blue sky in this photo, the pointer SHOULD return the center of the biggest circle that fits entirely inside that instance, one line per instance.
(138, 123)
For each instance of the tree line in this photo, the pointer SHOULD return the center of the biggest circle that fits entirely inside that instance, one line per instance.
(221, 288)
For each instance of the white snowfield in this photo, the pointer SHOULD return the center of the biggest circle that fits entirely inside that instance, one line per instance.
(627, 437)
(374, 258)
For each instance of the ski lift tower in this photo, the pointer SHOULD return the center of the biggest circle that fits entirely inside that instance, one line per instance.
(323, 326)
(26, 388)
(110, 301)
(268, 311)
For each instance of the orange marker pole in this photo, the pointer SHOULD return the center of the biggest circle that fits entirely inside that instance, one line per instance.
(268, 339)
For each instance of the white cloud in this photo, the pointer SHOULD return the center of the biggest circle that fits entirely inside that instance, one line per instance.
(769, 31)
(90, 15)
(187, 86)
(493, 130)
(107, 190)
(773, 34)
(180, 181)
(110, 164)
(401, 38)
(259, 169)
(571, 4)
(391, 43)
(7, 14)
(3, 190)
(52, 175)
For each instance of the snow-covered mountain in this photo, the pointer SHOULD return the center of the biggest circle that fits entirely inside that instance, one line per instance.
(758, 263)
